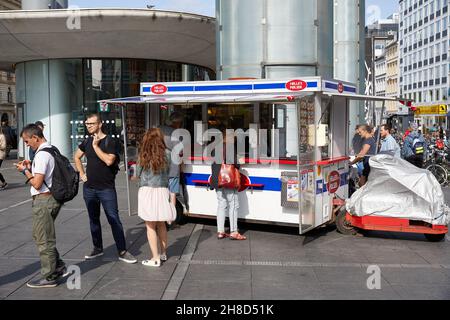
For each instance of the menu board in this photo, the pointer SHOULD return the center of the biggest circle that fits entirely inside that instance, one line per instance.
(306, 119)
(135, 121)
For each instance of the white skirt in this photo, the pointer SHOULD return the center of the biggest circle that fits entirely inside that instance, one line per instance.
(154, 204)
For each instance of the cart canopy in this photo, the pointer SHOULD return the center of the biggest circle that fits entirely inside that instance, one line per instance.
(210, 98)
(241, 91)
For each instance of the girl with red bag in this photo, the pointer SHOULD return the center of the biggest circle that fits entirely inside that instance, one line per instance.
(225, 179)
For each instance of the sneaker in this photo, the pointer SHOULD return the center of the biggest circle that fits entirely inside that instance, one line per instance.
(127, 257)
(163, 257)
(152, 263)
(42, 283)
(61, 271)
(3, 186)
(96, 252)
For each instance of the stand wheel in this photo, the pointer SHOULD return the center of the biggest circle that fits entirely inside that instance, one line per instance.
(434, 237)
(342, 225)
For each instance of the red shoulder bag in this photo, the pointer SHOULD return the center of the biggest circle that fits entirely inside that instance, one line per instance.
(229, 177)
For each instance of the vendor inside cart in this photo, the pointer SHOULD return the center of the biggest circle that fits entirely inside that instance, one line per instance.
(277, 125)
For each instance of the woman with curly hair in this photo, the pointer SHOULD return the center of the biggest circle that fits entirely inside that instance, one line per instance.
(154, 206)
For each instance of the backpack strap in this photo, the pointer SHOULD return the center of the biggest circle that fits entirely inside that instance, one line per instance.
(53, 151)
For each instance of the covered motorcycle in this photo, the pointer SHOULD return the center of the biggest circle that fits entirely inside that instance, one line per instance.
(399, 190)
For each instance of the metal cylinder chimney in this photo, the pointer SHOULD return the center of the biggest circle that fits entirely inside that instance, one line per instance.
(349, 50)
(273, 39)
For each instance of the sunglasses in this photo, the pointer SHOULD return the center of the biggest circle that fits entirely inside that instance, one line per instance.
(89, 124)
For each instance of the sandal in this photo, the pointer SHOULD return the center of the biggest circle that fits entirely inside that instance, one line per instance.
(152, 263)
(237, 236)
(222, 235)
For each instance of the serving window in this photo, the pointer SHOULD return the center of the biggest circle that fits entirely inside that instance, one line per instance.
(278, 139)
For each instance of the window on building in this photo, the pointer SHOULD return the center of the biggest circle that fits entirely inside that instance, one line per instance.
(438, 97)
(10, 98)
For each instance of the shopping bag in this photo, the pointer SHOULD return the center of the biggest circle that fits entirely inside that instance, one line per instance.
(229, 177)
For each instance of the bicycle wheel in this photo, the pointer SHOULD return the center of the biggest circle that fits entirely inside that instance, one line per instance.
(438, 172)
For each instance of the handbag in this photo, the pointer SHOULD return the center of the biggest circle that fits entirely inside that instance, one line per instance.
(229, 177)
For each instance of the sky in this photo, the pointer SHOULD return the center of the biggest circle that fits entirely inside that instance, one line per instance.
(375, 9)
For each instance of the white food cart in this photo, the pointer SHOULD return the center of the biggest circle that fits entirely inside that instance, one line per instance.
(299, 174)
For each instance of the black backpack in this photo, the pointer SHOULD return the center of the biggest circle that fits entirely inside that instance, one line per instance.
(65, 179)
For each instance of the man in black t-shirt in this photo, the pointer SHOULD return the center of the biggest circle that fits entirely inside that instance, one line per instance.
(99, 187)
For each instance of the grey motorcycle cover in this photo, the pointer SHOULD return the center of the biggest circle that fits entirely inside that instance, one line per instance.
(396, 188)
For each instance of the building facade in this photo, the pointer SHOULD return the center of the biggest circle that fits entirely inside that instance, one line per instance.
(392, 74)
(378, 35)
(8, 79)
(380, 75)
(8, 97)
(424, 45)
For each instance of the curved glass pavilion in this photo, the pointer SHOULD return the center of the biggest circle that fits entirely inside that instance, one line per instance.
(62, 72)
(61, 92)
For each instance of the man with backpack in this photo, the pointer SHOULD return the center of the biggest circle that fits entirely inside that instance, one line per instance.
(99, 186)
(45, 208)
(414, 147)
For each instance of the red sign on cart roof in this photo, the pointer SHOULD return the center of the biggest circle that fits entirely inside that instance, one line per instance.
(296, 85)
(159, 89)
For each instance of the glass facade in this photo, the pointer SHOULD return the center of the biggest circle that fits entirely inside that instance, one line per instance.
(61, 92)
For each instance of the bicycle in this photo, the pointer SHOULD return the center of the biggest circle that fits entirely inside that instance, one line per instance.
(438, 165)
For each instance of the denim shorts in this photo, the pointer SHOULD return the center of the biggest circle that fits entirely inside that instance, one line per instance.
(174, 185)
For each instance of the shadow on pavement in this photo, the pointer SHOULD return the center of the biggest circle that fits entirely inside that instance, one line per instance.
(14, 186)
(25, 273)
